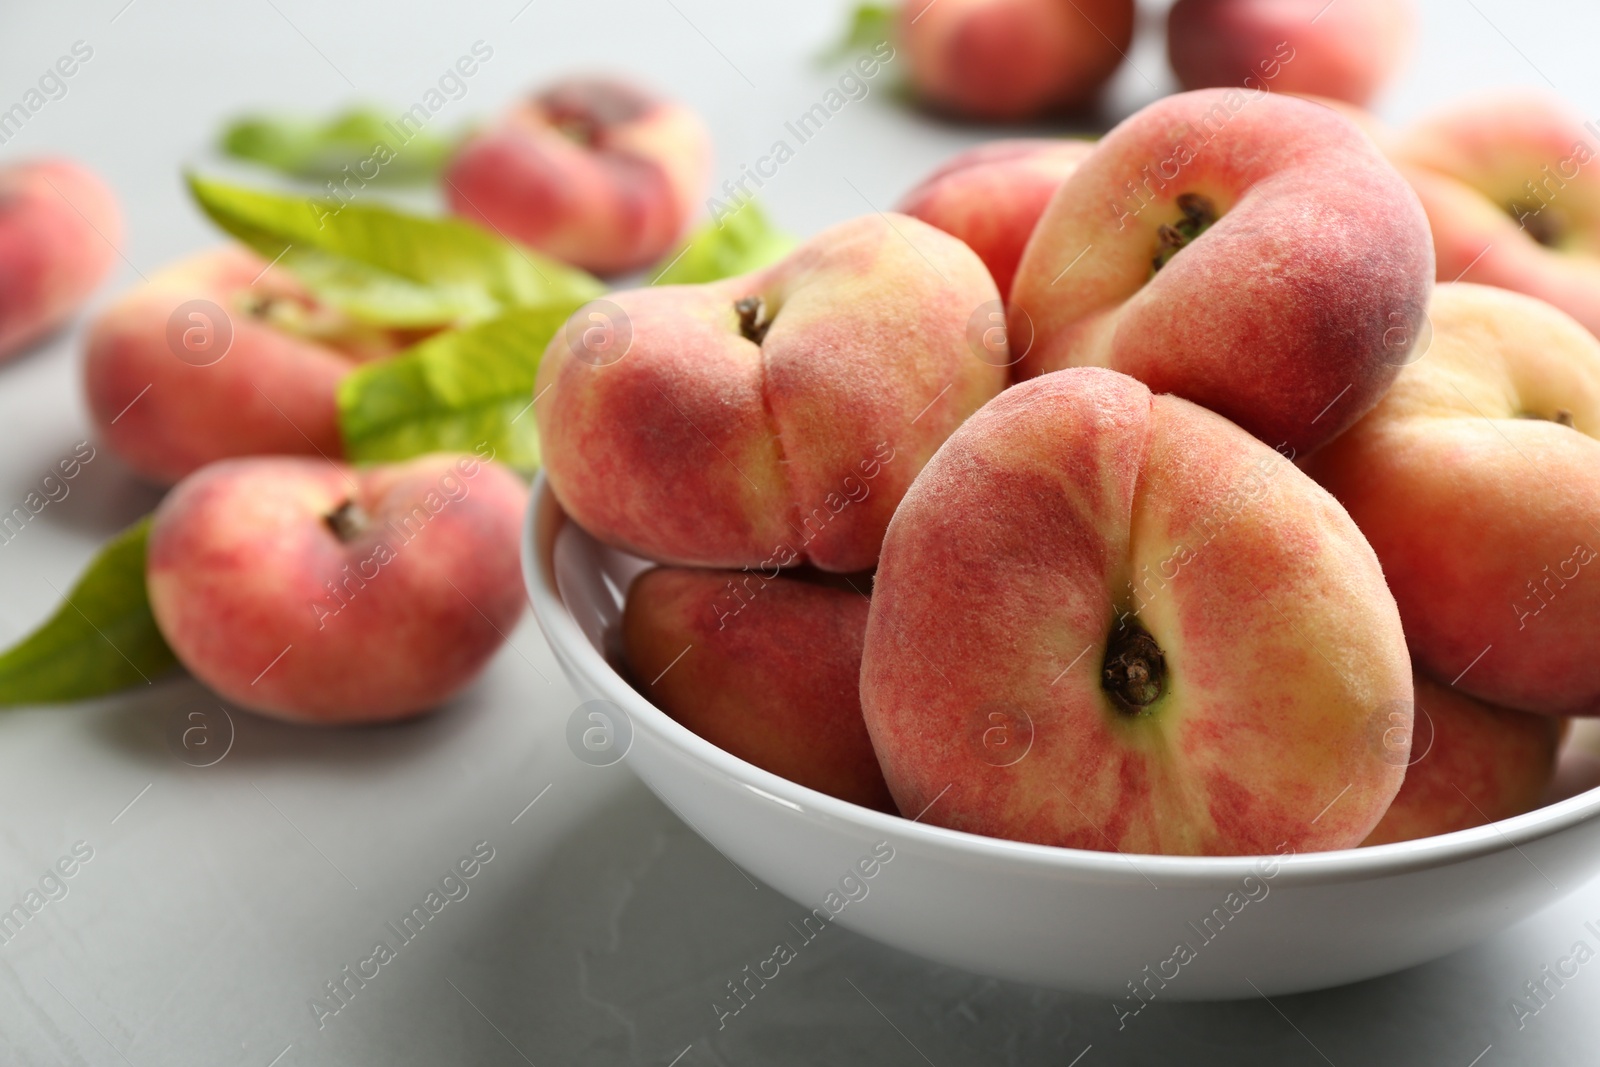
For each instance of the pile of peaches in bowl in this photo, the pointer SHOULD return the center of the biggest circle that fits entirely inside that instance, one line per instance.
(1162, 567)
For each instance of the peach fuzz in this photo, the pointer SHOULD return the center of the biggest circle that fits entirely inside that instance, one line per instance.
(1346, 50)
(1471, 764)
(1253, 253)
(1512, 191)
(775, 418)
(1006, 60)
(59, 231)
(593, 171)
(270, 391)
(1186, 644)
(317, 593)
(765, 668)
(1477, 480)
(991, 196)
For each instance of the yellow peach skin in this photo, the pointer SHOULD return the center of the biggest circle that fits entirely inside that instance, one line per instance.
(1185, 643)
(1477, 480)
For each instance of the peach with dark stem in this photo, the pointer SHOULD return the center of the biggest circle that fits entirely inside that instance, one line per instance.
(1477, 481)
(776, 416)
(318, 593)
(1191, 637)
(222, 355)
(593, 171)
(1512, 190)
(1253, 253)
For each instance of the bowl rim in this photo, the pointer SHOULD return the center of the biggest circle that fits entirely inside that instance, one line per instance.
(1134, 869)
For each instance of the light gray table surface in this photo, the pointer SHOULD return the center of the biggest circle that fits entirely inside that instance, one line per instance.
(219, 900)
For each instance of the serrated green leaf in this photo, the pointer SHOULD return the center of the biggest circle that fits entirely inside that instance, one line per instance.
(361, 141)
(102, 640)
(377, 252)
(869, 25)
(453, 392)
(742, 242)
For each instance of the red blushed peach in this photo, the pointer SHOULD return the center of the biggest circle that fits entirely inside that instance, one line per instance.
(1006, 60)
(1110, 620)
(593, 171)
(1512, 189)
(992, 196)
(767, 669)
(775, 418)
(1251, 252)
(219, 356)
(1477, 480)
(59, 230)
(1471, 764)
(1346, 50)
(318, 593)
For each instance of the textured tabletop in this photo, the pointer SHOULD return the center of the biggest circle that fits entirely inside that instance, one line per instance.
(210, 908)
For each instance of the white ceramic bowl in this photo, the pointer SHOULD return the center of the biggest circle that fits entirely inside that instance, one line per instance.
(1088, 921)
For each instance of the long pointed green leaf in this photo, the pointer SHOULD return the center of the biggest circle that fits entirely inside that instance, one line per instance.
(453, 392)
(370, 295)
(102, 640)
(473, 271)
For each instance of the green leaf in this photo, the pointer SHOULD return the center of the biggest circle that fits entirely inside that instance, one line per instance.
(870, 24)
(377, 297)
(103, 639)
(742, 242)
(453, 392)
(389, 267)
(360, 139)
